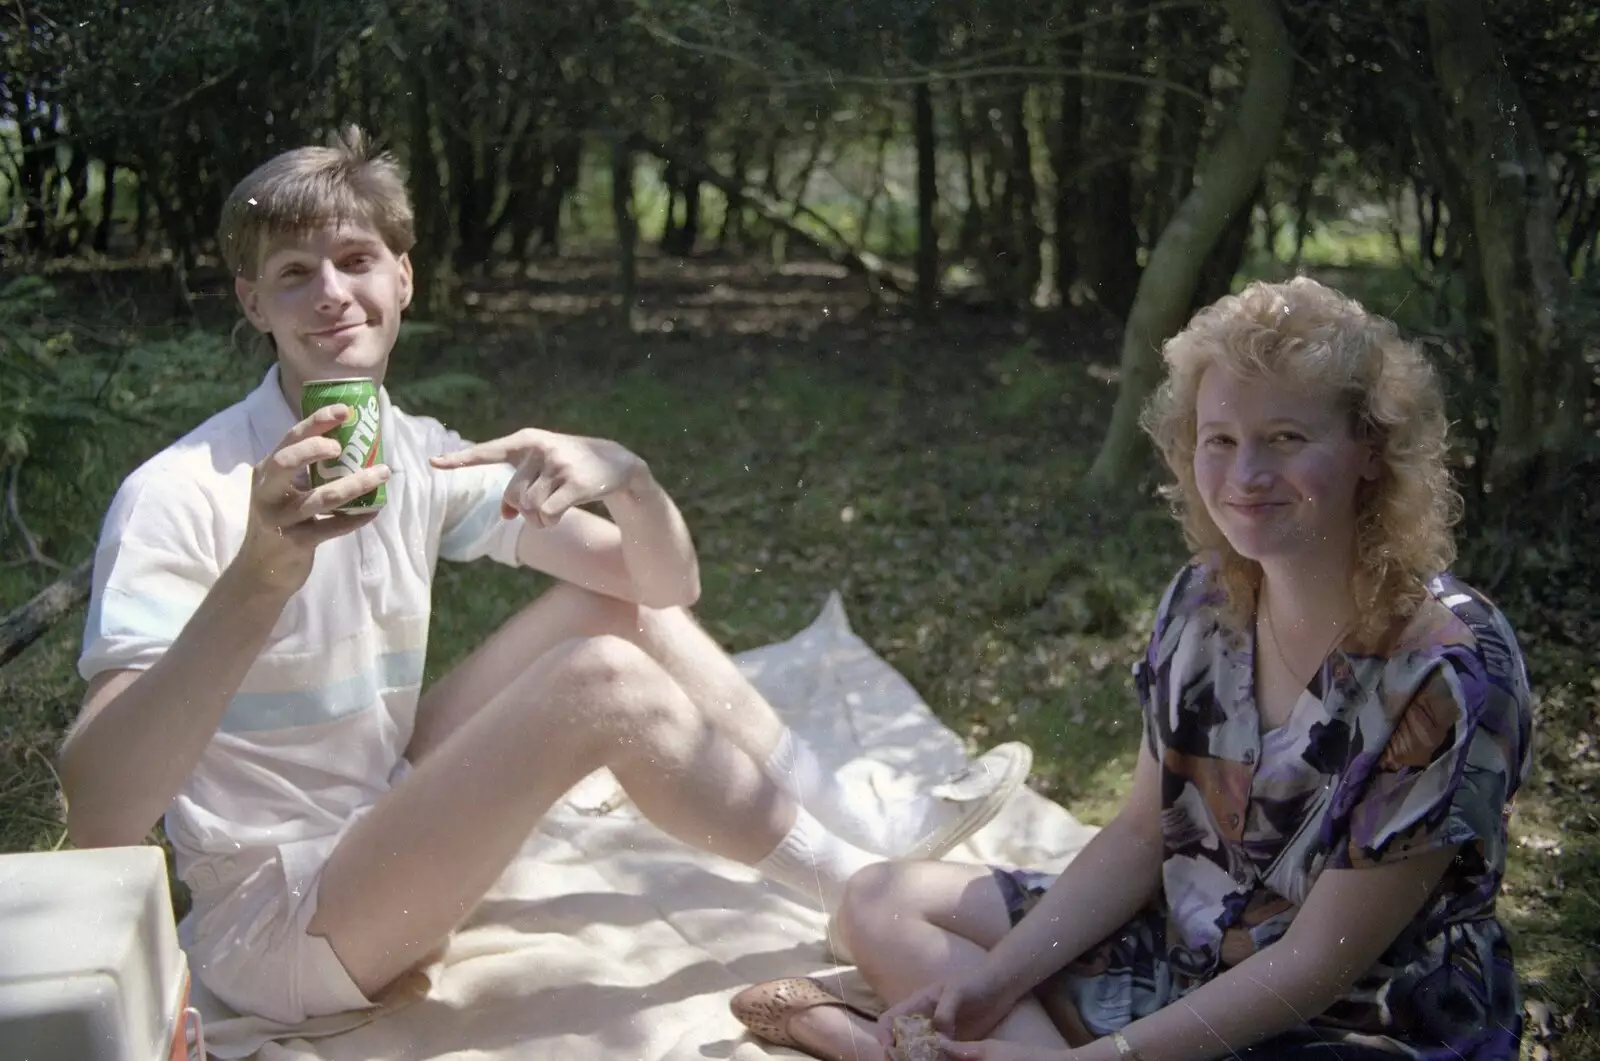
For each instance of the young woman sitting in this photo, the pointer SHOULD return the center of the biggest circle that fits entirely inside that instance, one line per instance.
(1334, 726)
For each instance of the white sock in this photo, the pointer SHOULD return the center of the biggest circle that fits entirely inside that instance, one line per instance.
(794, 768)
(813, 862)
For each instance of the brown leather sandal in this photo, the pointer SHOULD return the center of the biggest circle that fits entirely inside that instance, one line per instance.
(766, 1008)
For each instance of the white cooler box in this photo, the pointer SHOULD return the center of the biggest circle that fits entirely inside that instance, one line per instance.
(90, 967)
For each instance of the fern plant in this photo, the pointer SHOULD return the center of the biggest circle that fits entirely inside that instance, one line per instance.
(79, 406)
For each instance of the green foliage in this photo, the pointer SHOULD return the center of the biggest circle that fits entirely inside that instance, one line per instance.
(59, 375)
(446, 390)
(46, 384)
(1026, 386)
(77, 396)
(173, 382)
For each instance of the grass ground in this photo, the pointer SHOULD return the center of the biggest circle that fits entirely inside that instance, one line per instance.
(816, 444)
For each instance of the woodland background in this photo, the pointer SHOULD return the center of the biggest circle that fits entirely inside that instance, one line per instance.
(876, 286)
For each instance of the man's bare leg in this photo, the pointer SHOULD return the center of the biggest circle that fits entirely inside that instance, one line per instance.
(670, 636)
(410, 870)
(715, 685)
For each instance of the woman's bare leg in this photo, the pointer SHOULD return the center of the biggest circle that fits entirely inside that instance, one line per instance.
(911, 923)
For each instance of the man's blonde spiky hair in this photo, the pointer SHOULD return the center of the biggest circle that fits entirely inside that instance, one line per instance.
(346, 181)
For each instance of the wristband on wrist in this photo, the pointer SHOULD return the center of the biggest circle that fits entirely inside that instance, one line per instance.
(1125, 1051)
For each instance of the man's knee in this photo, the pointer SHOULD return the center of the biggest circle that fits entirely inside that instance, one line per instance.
(614, 688)
(605, 665)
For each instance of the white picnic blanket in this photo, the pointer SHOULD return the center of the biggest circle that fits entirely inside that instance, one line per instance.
(606, 939)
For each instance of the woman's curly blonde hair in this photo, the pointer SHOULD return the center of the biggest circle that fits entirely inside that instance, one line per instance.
(1309, 334)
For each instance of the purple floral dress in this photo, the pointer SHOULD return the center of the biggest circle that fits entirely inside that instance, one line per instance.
(1405, 745)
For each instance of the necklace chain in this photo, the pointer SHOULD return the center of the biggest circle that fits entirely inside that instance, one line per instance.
(1277, 646)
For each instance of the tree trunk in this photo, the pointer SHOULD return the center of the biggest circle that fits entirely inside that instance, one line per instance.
(471, 188)
(1584, 232)
(971, 234)
(141, 211)
(528, 180)
(1303, 196)
(927, 290)
(1443, 172)
(1542, 385)
(108, 207)
(366, 95)
(689, 234)
(769, 179)
(1065, 147)
(563, 178)
(428, 208)
(808, 169)
(778, 237)
(1475, 309)
(1023, 192)
(1110, 251)
(519, 169)
(34, 179)
(732, 215)
(1216, 276)
(1584, 210)
(1227, 179)
(74, 224)
(627, 230)
(783, 216)
(1183, 119)
(461, 193)
(879, 181)
(1430, 206)
(180, 239)
(680, 239)
(1003, 264)
(669, 224)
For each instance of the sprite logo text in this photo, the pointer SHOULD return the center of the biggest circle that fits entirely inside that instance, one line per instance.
(360, 436)
(361, 449)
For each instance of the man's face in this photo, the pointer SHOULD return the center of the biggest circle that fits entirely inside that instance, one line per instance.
(331, 299)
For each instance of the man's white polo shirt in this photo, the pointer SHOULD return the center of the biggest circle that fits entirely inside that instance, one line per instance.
(320, 723)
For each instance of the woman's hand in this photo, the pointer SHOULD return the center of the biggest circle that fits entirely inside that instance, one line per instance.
(966, 1008)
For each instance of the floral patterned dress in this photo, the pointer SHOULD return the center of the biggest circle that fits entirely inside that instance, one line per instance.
(1409, 744)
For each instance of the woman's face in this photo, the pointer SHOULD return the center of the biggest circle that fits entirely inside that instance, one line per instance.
(1278, 468)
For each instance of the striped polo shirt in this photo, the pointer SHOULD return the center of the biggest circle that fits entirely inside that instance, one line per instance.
(323, 717)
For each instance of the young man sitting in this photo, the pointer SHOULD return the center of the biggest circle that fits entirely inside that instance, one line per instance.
(255, 658)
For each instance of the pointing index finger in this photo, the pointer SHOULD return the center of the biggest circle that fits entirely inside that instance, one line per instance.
(502, 450)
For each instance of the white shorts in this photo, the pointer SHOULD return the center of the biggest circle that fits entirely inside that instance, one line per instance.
(247, 940)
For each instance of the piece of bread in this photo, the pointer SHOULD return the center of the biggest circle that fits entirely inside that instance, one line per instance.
(915, 1040)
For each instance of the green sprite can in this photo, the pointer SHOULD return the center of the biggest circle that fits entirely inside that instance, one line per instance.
(361, 436)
